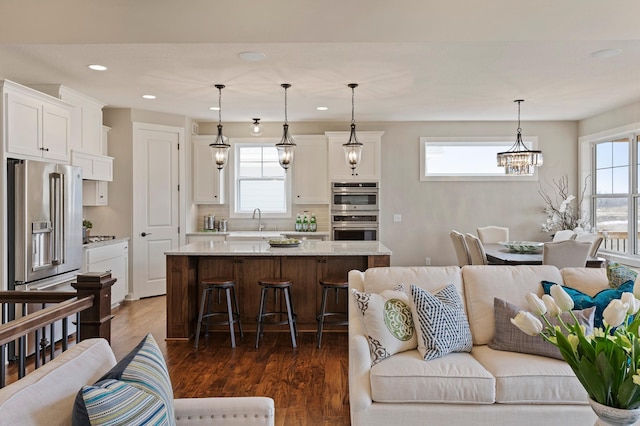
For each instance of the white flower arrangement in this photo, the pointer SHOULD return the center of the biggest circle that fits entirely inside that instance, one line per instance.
(564, 211)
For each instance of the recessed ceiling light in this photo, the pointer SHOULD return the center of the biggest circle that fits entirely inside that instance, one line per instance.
(606, 53)
(149, 96)
(252, 56)
(214, 108)
(97, 67)
(322, 108)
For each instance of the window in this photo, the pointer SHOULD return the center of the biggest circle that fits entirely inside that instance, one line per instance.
(259, 181)
(614, 193)
(466, 158)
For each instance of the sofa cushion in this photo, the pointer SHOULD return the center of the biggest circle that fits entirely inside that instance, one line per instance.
(430, 278)
(140, 380)
(441, 322)
(508, 337)
(387, 322)
(587, 280)
(530, 379)
(600, 300)
(619, 274)
(512, 283)
(452, 379)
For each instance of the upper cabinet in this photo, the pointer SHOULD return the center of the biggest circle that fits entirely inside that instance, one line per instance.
(86, 130)
(369, 167)
(208, 181)
(37, 125)
(310, 170)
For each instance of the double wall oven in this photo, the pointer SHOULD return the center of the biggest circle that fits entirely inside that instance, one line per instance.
(354, 211)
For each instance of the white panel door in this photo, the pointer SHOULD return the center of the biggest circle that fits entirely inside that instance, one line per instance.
(155, 205)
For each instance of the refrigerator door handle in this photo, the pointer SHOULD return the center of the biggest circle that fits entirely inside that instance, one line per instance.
(56, 181)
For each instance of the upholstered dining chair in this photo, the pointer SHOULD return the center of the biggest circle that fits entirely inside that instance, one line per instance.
(594, 239)
(477, 254)
(567, 253)
(460, 247)
(565, 234)
(493, 234)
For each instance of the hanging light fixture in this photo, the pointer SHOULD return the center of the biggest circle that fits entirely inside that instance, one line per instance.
(220, 147)
(286, 146)
(255, 127)
(519, 160)
(353, 148)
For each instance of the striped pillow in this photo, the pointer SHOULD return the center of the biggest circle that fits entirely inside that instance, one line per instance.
(136, 391)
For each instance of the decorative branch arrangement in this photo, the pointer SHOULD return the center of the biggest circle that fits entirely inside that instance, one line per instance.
(563, 210)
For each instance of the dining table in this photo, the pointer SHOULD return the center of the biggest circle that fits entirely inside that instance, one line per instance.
(497, 254)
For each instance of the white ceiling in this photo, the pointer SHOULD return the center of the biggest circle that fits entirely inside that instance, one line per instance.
(414, 60)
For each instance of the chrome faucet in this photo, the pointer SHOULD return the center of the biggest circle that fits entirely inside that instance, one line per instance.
(260, 225)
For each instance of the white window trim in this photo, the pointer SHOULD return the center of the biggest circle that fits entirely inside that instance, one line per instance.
(529, 140)
(585, 166)
(231, 164)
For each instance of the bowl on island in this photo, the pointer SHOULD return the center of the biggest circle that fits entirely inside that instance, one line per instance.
(284, 242)
(522, 246)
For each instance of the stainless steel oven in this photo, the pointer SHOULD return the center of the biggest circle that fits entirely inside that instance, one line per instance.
(355, 226)
(354, 196)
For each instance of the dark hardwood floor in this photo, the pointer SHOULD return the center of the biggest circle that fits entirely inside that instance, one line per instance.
(309, 385)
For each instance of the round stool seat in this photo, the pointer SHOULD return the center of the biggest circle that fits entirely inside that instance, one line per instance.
(218, 282)
(339, 282)
(275, 282)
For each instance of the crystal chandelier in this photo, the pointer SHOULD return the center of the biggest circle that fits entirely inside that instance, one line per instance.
(519, 160)
(286, 146)
(220, 147)
(353, 148)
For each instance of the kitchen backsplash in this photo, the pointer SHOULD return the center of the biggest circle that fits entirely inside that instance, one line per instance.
(288, 224)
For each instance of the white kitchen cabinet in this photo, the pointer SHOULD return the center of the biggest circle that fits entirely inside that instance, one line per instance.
(208, 181)
(369, 167)
(194, 238)
(113, 258)
(310, 170)
(86, 129)
(37, 125)
(94, 167)
(95, 193)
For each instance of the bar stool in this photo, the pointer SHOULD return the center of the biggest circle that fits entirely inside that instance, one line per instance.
(279, 285)
(229, 287)
(336, 284)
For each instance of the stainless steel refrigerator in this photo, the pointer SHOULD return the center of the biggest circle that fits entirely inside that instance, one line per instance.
(45, 223)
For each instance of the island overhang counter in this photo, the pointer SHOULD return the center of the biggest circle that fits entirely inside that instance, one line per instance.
(248, 261)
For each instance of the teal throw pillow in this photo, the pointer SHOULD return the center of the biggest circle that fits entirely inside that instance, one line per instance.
(137, 390)
(619, 274)
(600, 300)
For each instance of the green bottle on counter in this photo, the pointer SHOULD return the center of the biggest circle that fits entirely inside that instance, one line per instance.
(313, 224)
(305, 223)
(298, 223)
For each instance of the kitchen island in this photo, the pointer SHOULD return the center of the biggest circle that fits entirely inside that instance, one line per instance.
(248, 261)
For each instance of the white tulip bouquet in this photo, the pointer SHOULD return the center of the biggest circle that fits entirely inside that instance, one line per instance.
(607, 362)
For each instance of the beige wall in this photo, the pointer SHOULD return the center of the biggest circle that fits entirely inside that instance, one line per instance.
(609, 120)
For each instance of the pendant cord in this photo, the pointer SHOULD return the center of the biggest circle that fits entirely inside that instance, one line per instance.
(285, 106)
(219, 106)
(353, 120)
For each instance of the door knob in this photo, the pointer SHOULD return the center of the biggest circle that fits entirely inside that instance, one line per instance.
(144, 234)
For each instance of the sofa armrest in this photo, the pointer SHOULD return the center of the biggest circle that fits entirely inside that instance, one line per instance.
(229, 411)
(359, 355)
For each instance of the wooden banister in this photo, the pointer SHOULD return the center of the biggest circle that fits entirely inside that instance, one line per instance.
(36, 296)
(34, 321)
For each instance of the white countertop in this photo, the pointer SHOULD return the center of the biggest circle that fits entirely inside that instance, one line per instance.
(105, 242)
(261, 234)
(262, 248)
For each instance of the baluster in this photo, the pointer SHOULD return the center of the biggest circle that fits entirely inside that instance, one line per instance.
(3, 353)
(22, 349)
(65, 333)
(37, 343)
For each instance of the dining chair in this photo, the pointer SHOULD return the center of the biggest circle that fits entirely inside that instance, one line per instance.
(477, 254)
(594, 239)
(567, 253)
(493, 234)
(460, 246)
(565, 234)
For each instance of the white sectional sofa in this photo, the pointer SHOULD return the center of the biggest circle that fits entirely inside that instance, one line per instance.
(46, 396)
(483, 387)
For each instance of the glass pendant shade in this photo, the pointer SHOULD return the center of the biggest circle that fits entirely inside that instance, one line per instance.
(519, 160)
(255, 128)
(287, 145)
(353, 148)
(220, 147)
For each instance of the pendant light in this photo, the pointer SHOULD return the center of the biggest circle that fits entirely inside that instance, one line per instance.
(220, 147)
(286, 146)
(519, 160)
(255, 127)
(353, 148)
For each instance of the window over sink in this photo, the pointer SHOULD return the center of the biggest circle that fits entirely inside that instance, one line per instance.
(259, 181)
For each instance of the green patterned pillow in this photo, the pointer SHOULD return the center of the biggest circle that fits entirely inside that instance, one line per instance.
(137, 390)
(387, 322)
(619, 274)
